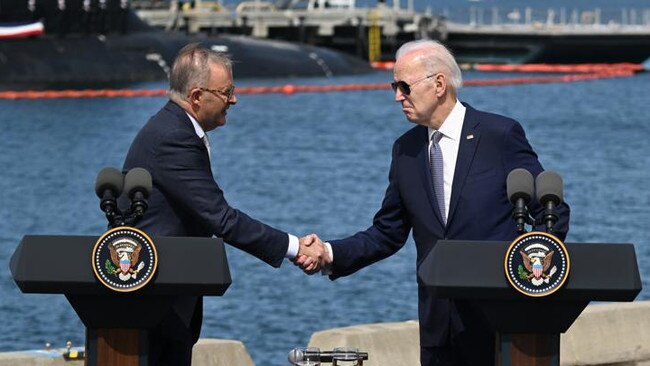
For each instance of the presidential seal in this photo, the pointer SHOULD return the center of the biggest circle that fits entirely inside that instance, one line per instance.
(537, 264)
(124, 259)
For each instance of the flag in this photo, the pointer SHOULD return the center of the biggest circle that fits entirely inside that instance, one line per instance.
(20, 30)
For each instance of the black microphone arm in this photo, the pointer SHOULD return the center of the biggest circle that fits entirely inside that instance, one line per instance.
(137, 185)
(550, 192)
(520, 188)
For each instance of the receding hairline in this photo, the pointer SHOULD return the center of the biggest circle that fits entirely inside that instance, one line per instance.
(194, 65)
(435, 57)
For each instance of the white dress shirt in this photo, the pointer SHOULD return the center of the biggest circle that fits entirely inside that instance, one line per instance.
(294, 244)
(451, 129)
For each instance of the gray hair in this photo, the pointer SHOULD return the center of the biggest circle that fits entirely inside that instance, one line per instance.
(437, 59)
(192, 69)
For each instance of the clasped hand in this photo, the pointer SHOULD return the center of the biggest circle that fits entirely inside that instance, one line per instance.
(312, 254)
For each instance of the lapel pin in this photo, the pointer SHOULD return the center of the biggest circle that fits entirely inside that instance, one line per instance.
(469, 137)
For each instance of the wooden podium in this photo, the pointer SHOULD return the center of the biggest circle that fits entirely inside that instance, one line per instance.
(474, 271)
(117, 323)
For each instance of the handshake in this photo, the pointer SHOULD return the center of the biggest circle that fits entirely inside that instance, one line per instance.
(313, 254)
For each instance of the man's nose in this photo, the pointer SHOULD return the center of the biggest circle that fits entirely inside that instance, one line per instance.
(399, 96)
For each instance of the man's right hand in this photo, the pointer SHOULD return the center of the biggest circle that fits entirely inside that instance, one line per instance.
(312, 254)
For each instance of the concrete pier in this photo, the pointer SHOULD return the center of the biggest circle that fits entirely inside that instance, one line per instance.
(343, 27)
(375, 33)
(392, 20)
(604, 334)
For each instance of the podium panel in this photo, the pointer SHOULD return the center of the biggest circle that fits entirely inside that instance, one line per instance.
(117, 323)
(62, 265)
(474, 272)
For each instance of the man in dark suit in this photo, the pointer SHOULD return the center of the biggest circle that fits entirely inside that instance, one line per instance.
(447, 180)
(185, 199)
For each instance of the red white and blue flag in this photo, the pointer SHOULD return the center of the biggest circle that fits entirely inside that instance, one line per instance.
(20, 29)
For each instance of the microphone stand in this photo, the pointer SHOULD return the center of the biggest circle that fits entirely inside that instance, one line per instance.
(129, 218)
(522, 217)
(550, 217)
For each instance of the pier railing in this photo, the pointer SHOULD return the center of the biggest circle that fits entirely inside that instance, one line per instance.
(626, 20)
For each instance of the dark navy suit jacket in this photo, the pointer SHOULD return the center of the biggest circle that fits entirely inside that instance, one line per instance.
(186, 200)
(490, 147)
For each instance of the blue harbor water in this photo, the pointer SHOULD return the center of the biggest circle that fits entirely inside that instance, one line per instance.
(308, 162)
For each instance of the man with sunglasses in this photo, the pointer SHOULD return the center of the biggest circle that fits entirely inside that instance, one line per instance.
(447, 180)
(186, 200)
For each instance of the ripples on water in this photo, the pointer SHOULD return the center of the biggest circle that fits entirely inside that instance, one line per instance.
(308, 162)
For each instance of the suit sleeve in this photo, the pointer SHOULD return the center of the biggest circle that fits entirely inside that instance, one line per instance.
(385, 237)
(183, 175)
(521, 155)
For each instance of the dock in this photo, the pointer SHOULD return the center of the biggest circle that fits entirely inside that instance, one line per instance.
(337, 24)
(485, 35)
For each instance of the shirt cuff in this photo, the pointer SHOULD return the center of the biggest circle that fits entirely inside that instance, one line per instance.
(294, 246)
(327, 270)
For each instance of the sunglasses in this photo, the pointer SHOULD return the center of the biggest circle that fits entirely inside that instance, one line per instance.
(404, 87)
(228, 93)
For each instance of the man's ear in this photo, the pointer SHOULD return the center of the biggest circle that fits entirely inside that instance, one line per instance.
(440, 81)
(195, 96)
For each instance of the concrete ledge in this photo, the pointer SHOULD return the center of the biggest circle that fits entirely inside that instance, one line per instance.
(207, 352)
(605, 334)
(36, 358)
(609, 334)
(386, 343)
(220, 352)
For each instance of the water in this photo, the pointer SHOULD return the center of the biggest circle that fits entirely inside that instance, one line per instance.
(312, 162)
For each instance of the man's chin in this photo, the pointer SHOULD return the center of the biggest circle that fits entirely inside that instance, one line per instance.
(409, 116)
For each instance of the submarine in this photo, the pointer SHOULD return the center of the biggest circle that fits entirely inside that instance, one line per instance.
(103, 43)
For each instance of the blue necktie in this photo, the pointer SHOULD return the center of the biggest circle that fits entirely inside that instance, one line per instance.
(437, 169)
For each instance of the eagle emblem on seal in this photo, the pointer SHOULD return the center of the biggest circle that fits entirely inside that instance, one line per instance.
(125, 254)
(538, 264)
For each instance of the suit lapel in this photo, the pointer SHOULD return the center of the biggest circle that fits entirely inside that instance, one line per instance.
(425, 173)
(469, 139)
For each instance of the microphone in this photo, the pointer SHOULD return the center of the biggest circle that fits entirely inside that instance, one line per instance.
(108, 186)
(550, 192)
(325, 356)
(137, 185)
(519, 185)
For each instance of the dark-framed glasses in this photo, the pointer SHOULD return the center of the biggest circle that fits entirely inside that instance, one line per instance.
(227, 93)
(405, 87)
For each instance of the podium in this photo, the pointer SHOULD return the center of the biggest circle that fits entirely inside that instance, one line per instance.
(117, 323)
(528, 329)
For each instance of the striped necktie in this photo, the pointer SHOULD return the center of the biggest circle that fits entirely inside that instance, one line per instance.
(437, 169)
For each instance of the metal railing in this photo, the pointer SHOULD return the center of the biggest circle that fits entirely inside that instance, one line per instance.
(552, 17)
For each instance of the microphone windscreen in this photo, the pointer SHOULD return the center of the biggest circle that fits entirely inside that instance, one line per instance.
(294, 356)
(111, 179)
(520, 184)
(138, 179)
(549, 187)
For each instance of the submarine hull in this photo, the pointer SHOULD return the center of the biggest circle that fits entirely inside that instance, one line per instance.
(82, 57)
